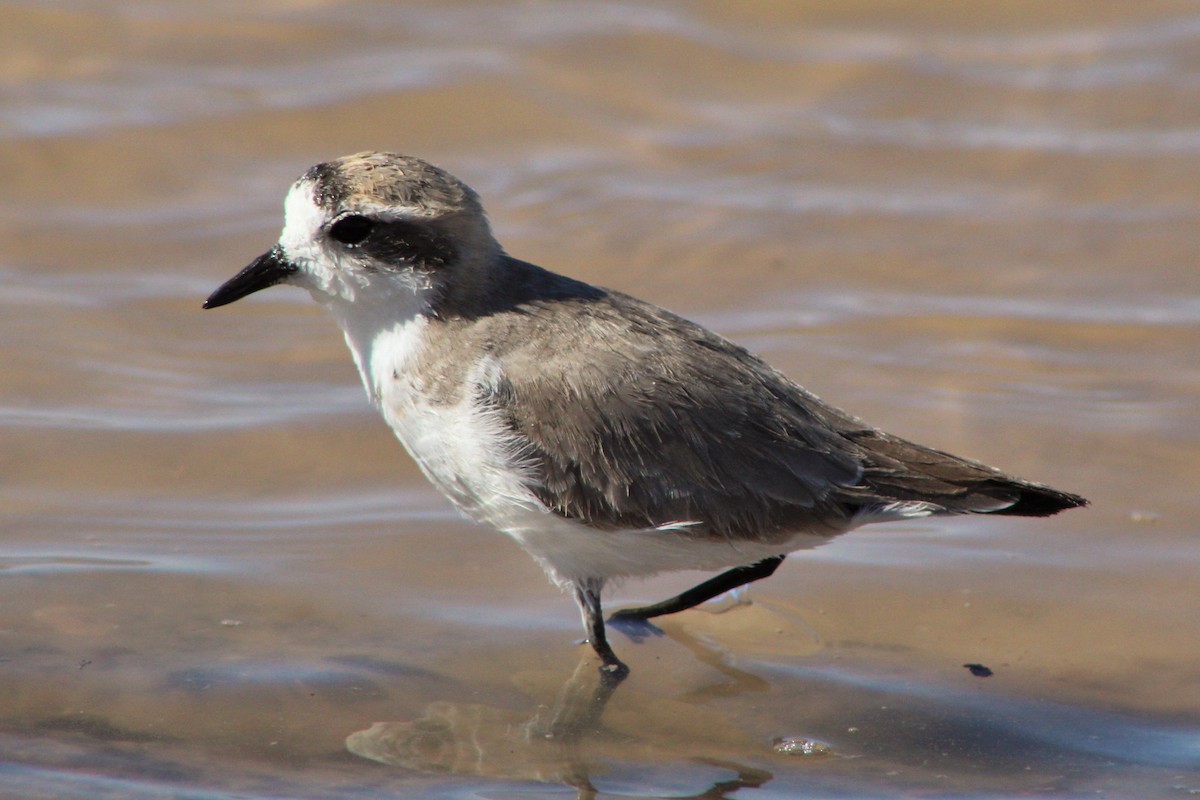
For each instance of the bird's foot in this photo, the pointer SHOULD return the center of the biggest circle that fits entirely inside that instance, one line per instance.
(613, 672)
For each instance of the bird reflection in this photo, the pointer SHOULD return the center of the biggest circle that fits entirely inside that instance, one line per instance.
(565, 741)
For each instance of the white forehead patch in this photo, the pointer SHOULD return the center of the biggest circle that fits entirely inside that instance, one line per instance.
(302, 223)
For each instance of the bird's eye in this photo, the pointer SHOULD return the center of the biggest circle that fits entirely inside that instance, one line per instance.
(351, 229)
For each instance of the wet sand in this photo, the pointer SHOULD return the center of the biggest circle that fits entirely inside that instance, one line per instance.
(222, 576)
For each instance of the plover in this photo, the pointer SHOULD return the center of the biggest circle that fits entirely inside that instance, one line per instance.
(609, 437)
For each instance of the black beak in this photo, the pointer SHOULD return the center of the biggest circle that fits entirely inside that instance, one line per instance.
(267, 270)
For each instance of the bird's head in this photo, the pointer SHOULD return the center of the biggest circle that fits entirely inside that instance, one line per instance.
(368, 226)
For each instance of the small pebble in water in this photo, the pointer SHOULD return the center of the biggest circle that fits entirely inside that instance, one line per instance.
(979, 670)
(801, 746)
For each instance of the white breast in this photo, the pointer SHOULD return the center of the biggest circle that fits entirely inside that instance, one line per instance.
(461, 446)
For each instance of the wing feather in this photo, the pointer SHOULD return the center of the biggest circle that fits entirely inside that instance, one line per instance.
(654, 431)
(660, 423)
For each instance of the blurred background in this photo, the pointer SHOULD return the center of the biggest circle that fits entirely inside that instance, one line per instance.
(970, 224)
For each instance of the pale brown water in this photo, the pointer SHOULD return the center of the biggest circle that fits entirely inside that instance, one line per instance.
(972, 224)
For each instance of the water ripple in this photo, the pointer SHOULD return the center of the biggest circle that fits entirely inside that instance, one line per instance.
(930, 133)
(813, 308)
(1070, 728)
(159, 93)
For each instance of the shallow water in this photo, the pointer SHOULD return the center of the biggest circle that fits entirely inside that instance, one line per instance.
(222, 577)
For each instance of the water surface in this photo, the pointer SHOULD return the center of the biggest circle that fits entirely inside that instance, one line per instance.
(974, 227)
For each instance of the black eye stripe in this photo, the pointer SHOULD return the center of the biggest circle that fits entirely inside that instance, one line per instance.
(351, 229)
(406, 241)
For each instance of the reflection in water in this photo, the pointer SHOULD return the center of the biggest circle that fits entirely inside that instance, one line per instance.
(563, 742)
(474, 739)
(592, 732)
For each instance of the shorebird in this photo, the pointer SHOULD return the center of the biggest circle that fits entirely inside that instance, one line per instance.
(609, 437)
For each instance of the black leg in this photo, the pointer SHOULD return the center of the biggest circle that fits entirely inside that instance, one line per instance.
(731, 579)
(587, 594)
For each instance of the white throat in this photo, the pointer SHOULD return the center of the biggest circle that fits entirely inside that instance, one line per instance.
(382, 337)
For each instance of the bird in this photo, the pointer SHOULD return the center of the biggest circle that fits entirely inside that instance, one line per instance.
(609, 437)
